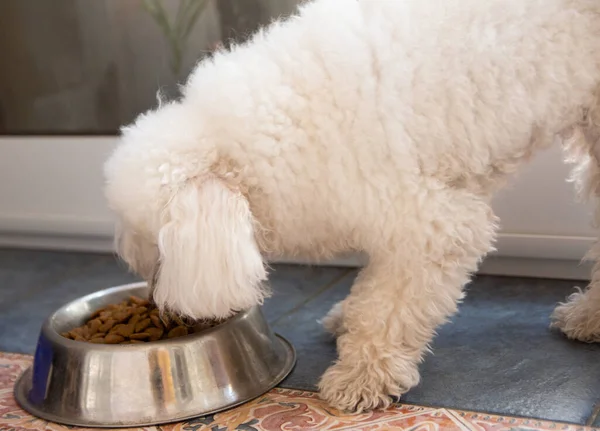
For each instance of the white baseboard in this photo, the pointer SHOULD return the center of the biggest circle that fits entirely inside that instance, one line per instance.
(57, 233)
(51, 197)
(63, 232)
(24, 228)
(558, 269)
(59, 243)
(518, 255)
(520, 246)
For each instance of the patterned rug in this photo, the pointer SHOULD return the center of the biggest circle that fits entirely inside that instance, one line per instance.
(289, 410)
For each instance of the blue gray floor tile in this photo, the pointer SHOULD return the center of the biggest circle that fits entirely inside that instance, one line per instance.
(293, 286)
(40, 282)
(24, 274)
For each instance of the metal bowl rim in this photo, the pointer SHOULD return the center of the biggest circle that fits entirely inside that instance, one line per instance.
(55, 337)
(20, 395)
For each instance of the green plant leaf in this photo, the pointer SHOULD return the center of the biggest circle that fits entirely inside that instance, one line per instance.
(176, 32)
(195, 12)
(181, 13)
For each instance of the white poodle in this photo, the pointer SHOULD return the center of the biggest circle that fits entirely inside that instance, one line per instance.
(377, 126)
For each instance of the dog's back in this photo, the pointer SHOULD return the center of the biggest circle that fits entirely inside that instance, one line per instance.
(468, 85)
(352, 95)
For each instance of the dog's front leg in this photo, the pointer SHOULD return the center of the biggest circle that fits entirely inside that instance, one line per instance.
(385, 325)
(388, 325)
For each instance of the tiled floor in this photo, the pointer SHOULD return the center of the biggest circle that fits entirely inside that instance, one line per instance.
(497, 355)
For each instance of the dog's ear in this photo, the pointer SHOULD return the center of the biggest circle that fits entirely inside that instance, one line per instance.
(210, 263)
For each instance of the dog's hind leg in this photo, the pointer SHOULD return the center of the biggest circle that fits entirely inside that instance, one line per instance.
(579, 317)
(411, 285)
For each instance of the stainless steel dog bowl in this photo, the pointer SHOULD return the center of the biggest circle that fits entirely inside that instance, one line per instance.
(96, 385)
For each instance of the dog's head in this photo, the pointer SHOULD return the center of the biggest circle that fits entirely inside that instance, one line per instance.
(181, 226)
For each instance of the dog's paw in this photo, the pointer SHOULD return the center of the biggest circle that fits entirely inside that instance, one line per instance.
(355, 389)
(578, 318)
(333, 322)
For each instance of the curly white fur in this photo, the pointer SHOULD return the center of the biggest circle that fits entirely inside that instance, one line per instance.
(376, 126)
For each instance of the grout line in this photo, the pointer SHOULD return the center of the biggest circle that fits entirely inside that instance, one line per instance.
(325, 288)
(593, 415)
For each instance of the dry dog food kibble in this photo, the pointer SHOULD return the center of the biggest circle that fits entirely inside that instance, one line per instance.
(132, 321)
